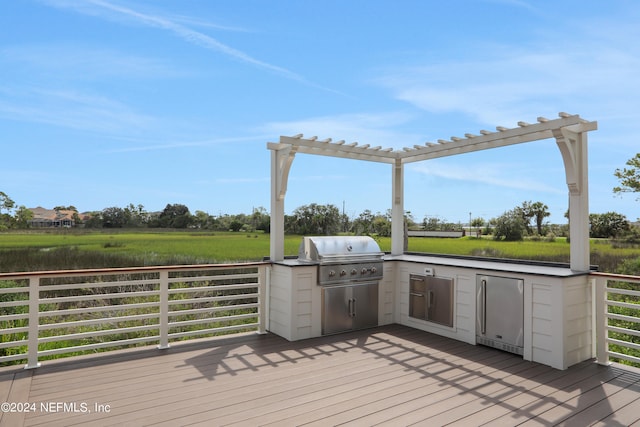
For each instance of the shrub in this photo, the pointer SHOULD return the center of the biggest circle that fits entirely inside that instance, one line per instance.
(610, 224)
(510, 226)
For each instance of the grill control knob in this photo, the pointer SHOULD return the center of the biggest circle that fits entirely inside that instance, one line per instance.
(332, 273)
(364, 271)
(354, 272)
(343, 273)
(373, 270)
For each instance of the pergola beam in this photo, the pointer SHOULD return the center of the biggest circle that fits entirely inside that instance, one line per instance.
(502, 137)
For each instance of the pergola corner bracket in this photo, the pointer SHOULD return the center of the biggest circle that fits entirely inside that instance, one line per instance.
(569, 144)
(285, 155)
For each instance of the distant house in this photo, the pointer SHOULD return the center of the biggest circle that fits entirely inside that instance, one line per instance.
(48, 218)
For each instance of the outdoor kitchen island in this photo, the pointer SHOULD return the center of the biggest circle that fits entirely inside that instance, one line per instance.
(556, 303)
(543, 312)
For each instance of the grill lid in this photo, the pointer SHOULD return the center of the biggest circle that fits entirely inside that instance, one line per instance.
(338, 248)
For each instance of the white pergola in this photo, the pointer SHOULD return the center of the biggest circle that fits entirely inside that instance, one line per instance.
(569, 131)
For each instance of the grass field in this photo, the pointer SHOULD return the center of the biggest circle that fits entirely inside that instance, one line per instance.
(557, 250)
(151, 247)
(604, 254)
(22, 251)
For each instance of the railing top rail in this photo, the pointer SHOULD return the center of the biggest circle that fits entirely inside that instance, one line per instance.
(97, 271)
(622, 277)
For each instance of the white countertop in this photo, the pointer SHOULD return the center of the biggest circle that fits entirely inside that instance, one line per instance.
(511, 266)
(476, 263)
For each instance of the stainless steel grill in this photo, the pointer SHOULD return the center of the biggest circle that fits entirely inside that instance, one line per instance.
(349, 269)
(343, 259)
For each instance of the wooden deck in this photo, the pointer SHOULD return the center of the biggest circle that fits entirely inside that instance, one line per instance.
(391, 375)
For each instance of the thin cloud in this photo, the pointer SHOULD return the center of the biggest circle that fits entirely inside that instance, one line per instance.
(241, 180)
(515, 3)
(75, 62)
(365, 128)
(186, 144)
(485, 174)
(71, 109)
(475, 89)
(158, 147)
(188, 20)
(514, 83)
(182, 31)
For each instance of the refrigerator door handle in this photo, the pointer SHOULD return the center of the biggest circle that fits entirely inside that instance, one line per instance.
(483, 306)
(354, 307)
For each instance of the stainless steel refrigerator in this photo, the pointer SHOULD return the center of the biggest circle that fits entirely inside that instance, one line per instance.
(500, 313)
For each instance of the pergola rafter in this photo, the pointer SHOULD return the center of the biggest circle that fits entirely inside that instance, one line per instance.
(568, 130)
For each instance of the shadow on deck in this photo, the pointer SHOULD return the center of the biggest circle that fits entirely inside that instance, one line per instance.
(391, 375)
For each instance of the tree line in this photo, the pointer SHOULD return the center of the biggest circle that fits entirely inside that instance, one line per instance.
(176, 216)
(526, 220)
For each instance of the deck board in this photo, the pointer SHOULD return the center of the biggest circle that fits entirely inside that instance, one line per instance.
(17, 392)
(391, 375)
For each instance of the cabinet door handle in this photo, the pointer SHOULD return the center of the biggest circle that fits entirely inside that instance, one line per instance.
(430, 298)
(483, 305)
(354, 307)
(415, 294)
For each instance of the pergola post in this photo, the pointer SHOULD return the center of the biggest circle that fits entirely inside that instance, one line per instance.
(397, 209)
(573, 146)
(281, 158)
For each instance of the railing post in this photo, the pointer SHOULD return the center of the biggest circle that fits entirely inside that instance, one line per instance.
(600, 296)
(164, 310)
(262, 298)
(34, 321)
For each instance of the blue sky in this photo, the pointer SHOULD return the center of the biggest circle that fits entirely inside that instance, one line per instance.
(110, 102)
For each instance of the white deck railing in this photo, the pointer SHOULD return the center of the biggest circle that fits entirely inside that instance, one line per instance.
(617, 317)
(60, 312)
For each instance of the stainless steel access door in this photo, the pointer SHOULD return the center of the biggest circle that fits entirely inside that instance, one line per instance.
(500, 312)
(349, 307)
(431, 298)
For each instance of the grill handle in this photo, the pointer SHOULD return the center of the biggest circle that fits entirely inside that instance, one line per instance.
(352, 307)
